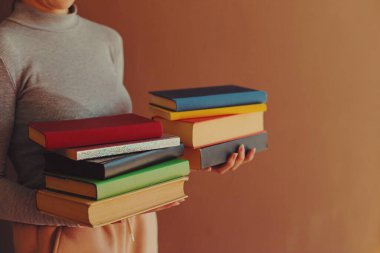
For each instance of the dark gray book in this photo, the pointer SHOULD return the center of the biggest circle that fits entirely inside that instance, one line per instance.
(218, 154)
(103, 168)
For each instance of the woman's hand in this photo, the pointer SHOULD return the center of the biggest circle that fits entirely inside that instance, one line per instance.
(234, 161)
(177, 203)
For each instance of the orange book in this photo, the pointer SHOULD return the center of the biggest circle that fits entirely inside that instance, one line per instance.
(200, 132)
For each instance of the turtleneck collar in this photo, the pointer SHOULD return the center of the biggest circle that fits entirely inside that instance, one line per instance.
(28, 16)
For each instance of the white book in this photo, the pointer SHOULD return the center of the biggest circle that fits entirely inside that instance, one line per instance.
(96, 151)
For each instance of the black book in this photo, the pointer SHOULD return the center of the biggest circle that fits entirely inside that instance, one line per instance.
(218, 154)
(102, 168)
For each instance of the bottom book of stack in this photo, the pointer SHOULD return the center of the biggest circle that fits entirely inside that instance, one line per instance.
(94, 202)
(204, 157)
(97, 213)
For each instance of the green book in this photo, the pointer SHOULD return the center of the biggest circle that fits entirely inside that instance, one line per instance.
(131, 181)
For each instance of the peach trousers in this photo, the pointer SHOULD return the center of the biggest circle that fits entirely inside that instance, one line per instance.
(113, 238)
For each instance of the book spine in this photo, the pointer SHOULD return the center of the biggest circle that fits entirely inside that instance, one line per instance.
(61, 165)
(86, 137)
(147, 177)
(141, 160)
(221, 100)
(58, 164)
(123, 149)
(74, 211)
(218, 154)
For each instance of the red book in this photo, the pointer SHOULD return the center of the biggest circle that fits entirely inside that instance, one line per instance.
(93, 131)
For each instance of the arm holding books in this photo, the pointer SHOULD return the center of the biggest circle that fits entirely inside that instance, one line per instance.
(17, 202)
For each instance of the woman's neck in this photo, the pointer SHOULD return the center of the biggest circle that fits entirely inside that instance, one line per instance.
(29, 16)
(43, 8)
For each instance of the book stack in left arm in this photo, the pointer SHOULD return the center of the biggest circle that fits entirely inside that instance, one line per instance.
(104, 169)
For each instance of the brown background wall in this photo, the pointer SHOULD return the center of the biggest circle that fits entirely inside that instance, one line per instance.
(316, 189)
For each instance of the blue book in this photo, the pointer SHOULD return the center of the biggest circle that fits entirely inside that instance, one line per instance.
(206, 97)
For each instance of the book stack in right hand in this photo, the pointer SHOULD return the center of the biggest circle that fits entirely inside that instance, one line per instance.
(100, 170)
(212, 121)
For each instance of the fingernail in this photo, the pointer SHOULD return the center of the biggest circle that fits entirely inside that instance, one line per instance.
(235, 155)
(208, 169)
(241, 148)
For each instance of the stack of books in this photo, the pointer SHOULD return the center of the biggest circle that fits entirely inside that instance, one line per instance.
(212, 121)
(104, 169)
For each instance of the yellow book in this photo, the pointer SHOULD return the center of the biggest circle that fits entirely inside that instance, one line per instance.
(240, 109)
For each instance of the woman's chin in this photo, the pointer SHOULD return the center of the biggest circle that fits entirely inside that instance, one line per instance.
(58, 4)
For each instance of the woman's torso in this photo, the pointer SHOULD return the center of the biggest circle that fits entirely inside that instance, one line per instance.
(68, 73)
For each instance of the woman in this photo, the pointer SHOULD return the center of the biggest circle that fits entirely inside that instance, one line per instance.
(55, 65)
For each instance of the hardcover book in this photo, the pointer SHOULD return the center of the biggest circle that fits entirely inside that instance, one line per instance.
(200, 132)
(207, 97)
(101, 189)
(102, 168)
(96, 151)
(92, 131)
(170, 115)
(218, 154)
(101, 212)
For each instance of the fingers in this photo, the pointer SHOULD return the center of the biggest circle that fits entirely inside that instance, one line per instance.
(177, 203)
(240, 159)
(209, 169)
(228, 165)
(251, 154)
(234, 161)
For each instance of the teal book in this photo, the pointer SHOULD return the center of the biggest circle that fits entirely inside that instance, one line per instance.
(207, 97)
(100, 189)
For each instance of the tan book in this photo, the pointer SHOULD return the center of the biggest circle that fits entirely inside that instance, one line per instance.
(97, 213)
(200, 132)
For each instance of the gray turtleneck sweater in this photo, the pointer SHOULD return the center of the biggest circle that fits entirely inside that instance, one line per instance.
(52, 67)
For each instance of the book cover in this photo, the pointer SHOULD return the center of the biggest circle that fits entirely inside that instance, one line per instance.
(102, 168)
(100, 189)
(96, 151)
(200, 132)
(170, 115)
(101, 212)
(92, 131)
(218, 154)
(207, 97)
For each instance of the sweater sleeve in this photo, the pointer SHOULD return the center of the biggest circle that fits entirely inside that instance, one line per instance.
(119, 63)
(17, 202)
(119, 58)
